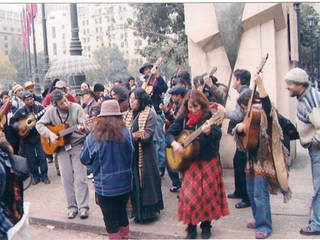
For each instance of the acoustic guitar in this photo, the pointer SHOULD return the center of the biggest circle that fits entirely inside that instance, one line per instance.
(187, 138)
(26, 124)
(253, 116)
(3, 112)
(61, 130)
(148, 84)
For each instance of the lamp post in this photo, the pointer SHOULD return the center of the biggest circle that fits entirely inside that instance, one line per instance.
(297, 8)
(310, 19)
(317, 33)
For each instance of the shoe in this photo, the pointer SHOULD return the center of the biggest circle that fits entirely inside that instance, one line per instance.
(260, 235)
(58, 173)
(49, 160)
(309, 231)
(242, 204)
(35, 181)
(206, 230)
(192, 232)
(72, 214)
(161, 171)
(232, 195)
(90, 176)
(175, 189)
(46, 181)
(84, 213)
(251, 225)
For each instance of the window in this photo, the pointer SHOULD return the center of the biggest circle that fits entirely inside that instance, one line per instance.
(88, 39)
(54, 47)
(97, 30)
(5, 37)
(4, 28)
(83, 23)
(53, 32)
(6, 45)
(84, 31)
(63, 36)
(88, 31)
(12, 29)
(97, 38)
(87, 22)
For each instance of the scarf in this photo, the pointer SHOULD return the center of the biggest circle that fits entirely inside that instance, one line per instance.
(142, 120)
(193, 119)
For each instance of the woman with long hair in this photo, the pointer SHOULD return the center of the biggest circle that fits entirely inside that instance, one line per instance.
(109, 149)
(202, 194)
(146, 196)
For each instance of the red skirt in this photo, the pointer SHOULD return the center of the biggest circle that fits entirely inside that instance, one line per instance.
(202, 193)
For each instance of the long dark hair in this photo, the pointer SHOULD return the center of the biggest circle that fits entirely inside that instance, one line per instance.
(109, 128)
(195, 96)
(143, 98)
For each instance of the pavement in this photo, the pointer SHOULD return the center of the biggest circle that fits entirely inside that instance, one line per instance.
(48, 208)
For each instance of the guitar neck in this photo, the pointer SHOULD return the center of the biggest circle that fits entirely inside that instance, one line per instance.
(67, 131)
(192, 137)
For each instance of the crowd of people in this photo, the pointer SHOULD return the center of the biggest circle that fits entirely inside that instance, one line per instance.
(118, 137)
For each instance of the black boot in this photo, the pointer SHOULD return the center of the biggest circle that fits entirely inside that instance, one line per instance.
(192, 232)
(206, 230)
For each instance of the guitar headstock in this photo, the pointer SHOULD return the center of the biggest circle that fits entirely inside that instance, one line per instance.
(158, 62)
(216, 118)
(213, 71)
(262, 63)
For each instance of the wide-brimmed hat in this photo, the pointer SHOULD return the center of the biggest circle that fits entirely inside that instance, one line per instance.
(29, 84)
(110, 108)
(144, 66)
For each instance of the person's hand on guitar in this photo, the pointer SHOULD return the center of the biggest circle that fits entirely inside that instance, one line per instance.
(241, 127)
(221, 109)
(155, 72)
(81, 127)
(163, 107)
(207, 80)
(177, 147)
(206, 128)
(53, 138)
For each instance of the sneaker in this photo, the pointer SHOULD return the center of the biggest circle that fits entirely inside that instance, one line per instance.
(161, 171)
(233, 196)
(261, 235)
(46, 181)
(251, 225)
(84, 213)
(309, 231)
(175, 189)
(90, 176)
(72, 214)
(242, 204)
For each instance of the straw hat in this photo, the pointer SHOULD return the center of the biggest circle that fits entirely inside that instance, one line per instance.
(29, 84)
(110, 108)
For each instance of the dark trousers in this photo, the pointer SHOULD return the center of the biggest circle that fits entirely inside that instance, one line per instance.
(36, 158)
(240, 182)
(174, 176)
(114, 211)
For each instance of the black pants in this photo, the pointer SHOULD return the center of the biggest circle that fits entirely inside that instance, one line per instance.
(114, 211)
(239, 164)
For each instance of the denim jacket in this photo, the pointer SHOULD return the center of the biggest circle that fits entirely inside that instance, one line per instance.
(111, 164)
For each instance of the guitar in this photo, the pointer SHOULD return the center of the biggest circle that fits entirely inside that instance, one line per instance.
(3, 112)
(147, 85)
(61, 129)
(253, 116)
(26, 124)
(201, 81)
(181, 161)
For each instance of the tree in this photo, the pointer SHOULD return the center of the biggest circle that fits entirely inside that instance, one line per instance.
(16, 58)
(162, 24)
(8, 72)
(306, 34)
(113, 66)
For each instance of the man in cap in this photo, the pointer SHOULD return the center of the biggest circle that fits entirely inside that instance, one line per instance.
(73, 172)
(60, 85)
(159, 87)
(17, 102)
(308, 125)
(92, 107)
(32, 148)
(29, 86)
(98, 90)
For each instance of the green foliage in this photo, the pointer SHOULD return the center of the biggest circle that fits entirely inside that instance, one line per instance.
(8, 72)
(307, 34)
(16, 58)
(162, 24)
(113, 66)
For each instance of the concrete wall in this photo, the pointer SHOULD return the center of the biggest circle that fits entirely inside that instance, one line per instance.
(266, 28)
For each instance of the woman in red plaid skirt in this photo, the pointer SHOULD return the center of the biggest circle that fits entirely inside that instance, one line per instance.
(202, 194)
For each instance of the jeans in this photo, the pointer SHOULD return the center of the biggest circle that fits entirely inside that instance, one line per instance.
(257, 187)
(74, 178)
(160, 141)
(36, 158)
(114, 211)
(314, 153)
(174, 176)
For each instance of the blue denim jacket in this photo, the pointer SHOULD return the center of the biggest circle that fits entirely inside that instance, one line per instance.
(111, 164)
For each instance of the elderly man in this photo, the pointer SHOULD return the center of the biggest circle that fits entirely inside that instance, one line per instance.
(73, 172)
(308, 125)
(32, 148)
(29, 86)
(92, 106)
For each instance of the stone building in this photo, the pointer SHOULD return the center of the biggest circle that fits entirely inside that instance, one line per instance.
(238, 35)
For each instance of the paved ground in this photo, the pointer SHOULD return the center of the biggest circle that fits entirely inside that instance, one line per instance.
(48, 208)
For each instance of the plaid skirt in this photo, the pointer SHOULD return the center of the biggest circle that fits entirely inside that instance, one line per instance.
(202, 193)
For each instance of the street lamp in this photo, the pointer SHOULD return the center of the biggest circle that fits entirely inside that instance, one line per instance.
(310, 19)
(317, 31)
(297, 8)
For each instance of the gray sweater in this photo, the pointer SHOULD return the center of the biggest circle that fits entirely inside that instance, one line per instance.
(51, 117)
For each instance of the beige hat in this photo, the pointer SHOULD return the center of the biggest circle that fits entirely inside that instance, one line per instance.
(297, 75)
(16, 87)
(110, 108)
(29, 84)
(60, 84)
